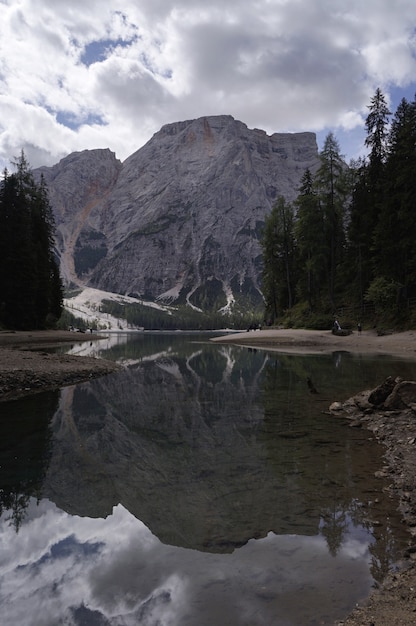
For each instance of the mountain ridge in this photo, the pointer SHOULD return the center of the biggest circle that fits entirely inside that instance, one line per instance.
(179, 221)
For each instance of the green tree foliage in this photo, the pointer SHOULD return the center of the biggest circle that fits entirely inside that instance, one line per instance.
(311, 245)
(367, 197)
(383, 294)
(303, 245)
(30, 286)
(376, 126)
(359, 259)
(182, 317)
(395, 232)
(332, 189)
(279, 278)
(354, 227)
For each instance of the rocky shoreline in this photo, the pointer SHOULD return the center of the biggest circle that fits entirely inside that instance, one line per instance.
(393, 426)
(389, 413)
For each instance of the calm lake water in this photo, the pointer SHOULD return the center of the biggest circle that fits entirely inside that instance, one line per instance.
(202, 485)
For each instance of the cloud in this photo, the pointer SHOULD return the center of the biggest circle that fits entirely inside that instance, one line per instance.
(114, 571)
(110, 73)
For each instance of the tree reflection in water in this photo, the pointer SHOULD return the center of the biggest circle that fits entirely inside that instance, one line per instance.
(25, 451)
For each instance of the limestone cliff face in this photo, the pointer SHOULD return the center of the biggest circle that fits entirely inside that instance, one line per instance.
(79, 186)
(180, 219)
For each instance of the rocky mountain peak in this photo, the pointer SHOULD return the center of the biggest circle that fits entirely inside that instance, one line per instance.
(180, 219)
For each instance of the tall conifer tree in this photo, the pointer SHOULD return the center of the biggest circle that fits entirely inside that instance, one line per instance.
(331, 185)
(395, 234)
(30, 286)
(279, 259)
(368, 194)
(311, 245)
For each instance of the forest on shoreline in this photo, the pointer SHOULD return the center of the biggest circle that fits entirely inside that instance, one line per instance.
(346, 245)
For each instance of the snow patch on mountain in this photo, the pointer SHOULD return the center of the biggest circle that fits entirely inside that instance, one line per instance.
(87, 306)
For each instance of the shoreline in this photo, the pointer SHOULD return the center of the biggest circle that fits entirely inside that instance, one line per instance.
(394, 602)
(389, 414)
(26, 368)
(297, 341)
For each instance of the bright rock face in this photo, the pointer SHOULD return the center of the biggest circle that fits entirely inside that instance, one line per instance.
(180, 220)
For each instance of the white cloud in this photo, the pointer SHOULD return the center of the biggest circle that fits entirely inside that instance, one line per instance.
(60, 565)
(110, 73)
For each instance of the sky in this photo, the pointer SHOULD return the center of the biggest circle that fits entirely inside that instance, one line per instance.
(85, 74)
(115, 571)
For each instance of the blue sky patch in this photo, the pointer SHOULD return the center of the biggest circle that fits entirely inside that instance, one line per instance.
(74, 122)
(98, 51)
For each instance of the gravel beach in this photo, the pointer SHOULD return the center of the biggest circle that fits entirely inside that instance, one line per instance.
(27, 367)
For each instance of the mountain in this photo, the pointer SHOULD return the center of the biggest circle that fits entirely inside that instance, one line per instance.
(180, 220)
(199, 475)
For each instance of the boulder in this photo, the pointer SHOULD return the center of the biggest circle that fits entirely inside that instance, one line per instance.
(403, 396)
(381, 393)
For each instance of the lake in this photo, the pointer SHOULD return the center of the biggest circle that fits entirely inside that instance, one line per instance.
(202, 484)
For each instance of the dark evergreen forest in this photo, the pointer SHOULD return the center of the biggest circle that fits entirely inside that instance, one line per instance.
(346, 246)
(31, 290)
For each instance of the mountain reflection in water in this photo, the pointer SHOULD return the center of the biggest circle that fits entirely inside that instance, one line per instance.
(202, 484)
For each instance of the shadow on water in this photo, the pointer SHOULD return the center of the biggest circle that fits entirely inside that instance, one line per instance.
(201, 484)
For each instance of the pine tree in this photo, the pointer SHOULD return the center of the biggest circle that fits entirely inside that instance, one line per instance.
(358, 269)
(311, 246)
(395, 233)
(18, 266)
(278, 245)
(377, 133)
(367, 196)
(30, 286)
(331, 185)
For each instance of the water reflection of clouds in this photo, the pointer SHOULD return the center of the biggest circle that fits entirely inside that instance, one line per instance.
(96, 346)
(62, 569)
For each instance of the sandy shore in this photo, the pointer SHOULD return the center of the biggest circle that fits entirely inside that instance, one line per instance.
(26, 367)
(319, 342)
(36, 338)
